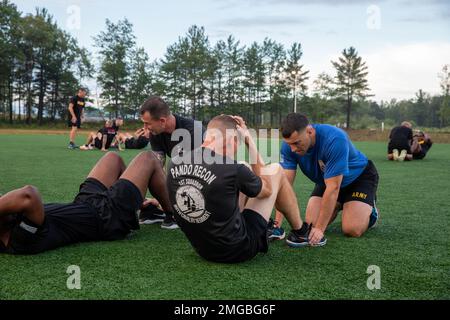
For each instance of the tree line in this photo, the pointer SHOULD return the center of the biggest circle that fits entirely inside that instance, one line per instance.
(41, 66)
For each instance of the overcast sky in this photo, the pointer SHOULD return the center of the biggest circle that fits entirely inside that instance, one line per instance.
(404, 42)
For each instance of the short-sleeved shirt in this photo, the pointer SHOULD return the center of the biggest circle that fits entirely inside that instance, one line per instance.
(163, 142)
(205, 201)
(110, 133)
(400, 137)
(78, 105)
(332, 155)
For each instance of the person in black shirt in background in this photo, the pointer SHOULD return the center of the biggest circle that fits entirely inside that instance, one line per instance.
(222, 206)
(421, 145)
(166, 131)
(400, 141)
(105, 208)
(76, 110)
(105, 137)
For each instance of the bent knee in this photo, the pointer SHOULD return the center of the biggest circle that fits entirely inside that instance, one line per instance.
(353, 232)
(113, 156)
(273, 169)
(149, 157)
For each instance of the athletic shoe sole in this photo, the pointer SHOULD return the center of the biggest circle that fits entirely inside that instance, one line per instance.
(320, 244)
(274, 238)
(153, 221)
(395, 154)
(305, 244)
(296, 244)
(170, 227)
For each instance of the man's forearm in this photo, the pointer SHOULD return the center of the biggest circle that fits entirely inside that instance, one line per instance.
(256, 161)
(327, 208)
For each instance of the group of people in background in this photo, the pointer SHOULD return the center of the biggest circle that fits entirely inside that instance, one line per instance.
(106, 137)
(406, 145)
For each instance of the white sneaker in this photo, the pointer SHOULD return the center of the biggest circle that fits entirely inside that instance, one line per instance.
(402, 155)
(395, 154)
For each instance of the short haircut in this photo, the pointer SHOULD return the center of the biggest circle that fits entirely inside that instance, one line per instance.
(223, 123)
(406, 124)
(293, 122)
(82, 89)
(156, 106)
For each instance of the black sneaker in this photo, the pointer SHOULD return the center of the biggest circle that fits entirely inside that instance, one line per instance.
(151, 215)
(299, 241)
(169, 223)
(72, 146)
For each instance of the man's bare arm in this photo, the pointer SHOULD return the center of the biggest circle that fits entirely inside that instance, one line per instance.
(327, 208)
(26, 201)
(72, 113)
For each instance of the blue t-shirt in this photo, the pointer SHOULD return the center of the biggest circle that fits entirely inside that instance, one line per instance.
(332, 155)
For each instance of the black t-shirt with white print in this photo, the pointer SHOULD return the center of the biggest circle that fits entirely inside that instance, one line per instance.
(205, 200)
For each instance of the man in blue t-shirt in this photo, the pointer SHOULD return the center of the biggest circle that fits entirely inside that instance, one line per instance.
(344, 177)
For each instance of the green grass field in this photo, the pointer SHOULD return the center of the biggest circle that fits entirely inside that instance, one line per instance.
(410, 245)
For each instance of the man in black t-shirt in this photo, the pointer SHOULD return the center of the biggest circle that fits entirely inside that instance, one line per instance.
(105, 208)
(105, 137)
(170, 135)
(76, 107)
(400, 140)
(222, 206)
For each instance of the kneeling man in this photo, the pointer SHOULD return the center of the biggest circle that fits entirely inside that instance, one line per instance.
(343, 175)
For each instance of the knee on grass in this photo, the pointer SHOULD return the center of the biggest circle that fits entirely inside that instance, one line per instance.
(353, 231)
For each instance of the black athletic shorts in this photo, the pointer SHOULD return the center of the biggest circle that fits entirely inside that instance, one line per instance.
(363, 189)
(399, 146)
(255, 242)
(116, 206)
(96, 214)
(98, 143)
(76, 124)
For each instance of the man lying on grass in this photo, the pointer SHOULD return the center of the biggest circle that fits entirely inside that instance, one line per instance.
(104, 209)
(222, 206)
